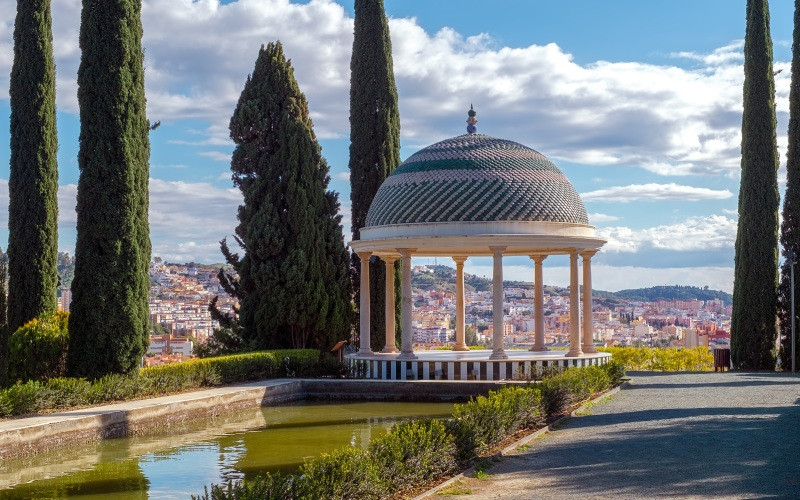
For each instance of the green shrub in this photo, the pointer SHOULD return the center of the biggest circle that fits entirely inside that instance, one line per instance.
(669, 359)
(347, 473)
(25, 398)
(414, 452)
(65, 392)
(561, 391)
(264, 487)
(615, 370)
(38, 349)
(492, 418)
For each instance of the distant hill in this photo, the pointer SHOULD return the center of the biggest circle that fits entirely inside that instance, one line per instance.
(674, 292)
(443, 278)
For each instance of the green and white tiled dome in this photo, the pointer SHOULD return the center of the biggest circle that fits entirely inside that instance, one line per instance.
(476, 178)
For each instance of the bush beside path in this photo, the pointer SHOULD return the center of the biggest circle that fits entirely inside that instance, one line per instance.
(684, 435)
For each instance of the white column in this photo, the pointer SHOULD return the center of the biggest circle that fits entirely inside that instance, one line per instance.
(574, 306)
(390, 347)
(538, 304)
(588, 328)
(364, 304)
(461, 344)
(497, 298)
(407, 350)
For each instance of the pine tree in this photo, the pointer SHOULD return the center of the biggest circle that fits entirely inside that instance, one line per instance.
(293, 279)
(756, 262)
(374, 143)
(790, 228)
(109, 317)
(33, 179)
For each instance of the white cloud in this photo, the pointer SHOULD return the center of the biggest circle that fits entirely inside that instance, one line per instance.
(598, 218)
(667, 119)
(216, 156)
(343, 176)
(710, 233)
(655, 192)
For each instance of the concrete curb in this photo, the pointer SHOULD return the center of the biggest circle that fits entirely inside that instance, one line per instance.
(527, 439)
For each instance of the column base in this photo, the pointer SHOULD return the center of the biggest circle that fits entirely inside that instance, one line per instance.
(407, 355)
(540, 348)
(589, 349)
(574, 353)
(501, 354)
(365, 351)
(390, 350)
(460, 348)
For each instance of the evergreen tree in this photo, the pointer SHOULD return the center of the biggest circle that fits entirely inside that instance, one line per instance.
(756, 263)
(33, 179)
(374, 144)
(4, 333)
(293, 282)
(790, 228)
(109, 317)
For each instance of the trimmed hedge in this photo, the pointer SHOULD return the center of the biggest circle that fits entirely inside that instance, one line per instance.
(669, 359)
(56, 393)
(415, 452)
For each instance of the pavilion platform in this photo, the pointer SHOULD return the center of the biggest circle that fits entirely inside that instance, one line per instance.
(468, 365)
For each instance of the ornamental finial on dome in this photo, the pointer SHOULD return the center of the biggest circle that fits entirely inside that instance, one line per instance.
(471, 121)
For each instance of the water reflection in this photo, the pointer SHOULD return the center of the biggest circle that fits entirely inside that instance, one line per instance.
(178, 461)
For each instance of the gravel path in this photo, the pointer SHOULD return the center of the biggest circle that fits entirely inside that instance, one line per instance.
(686, 435)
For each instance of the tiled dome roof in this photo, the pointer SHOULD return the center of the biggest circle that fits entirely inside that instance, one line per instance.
(479, 178)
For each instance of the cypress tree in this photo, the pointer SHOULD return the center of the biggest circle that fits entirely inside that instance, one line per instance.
(374, 143)
(756, 262)
(293, 278)
(790, 228)
(108, 323)
(33, 179)
(4, 334)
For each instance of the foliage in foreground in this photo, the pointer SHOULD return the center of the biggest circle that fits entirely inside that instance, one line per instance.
(293, 284)
(109, 315)
(670, 359)
(33, 174)
(418, 451)
(790, 227)
(34, 397)
(755, 298)
(38, 349)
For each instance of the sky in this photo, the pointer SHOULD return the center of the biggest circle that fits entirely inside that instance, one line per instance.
(639, 104)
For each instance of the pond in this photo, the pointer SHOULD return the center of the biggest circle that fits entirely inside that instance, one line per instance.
(179, 461)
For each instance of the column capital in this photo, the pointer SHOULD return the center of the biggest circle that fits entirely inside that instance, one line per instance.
(406, 252)
(364, 255)
(497, 250)
(588, 254)
(574, 252)
(538, 258)
(460, 259)
(391, 258)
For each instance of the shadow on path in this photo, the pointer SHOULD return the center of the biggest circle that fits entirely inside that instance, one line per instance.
(627, 449)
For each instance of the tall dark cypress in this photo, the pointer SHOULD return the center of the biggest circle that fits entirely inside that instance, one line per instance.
(4, 334)
(108, 323)
(293, 277)
(374, 143)
(790, 228)
(756, 273)
(33, 179)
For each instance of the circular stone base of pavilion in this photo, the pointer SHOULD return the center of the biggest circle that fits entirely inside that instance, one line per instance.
(468, 365)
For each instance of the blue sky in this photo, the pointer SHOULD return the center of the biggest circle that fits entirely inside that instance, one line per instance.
(639, 103)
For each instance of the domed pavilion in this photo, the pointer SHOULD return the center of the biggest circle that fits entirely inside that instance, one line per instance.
(473, 196)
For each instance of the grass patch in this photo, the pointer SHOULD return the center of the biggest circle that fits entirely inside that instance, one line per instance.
(457, 488)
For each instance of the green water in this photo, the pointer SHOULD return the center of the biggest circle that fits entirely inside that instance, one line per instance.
(178, 461)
